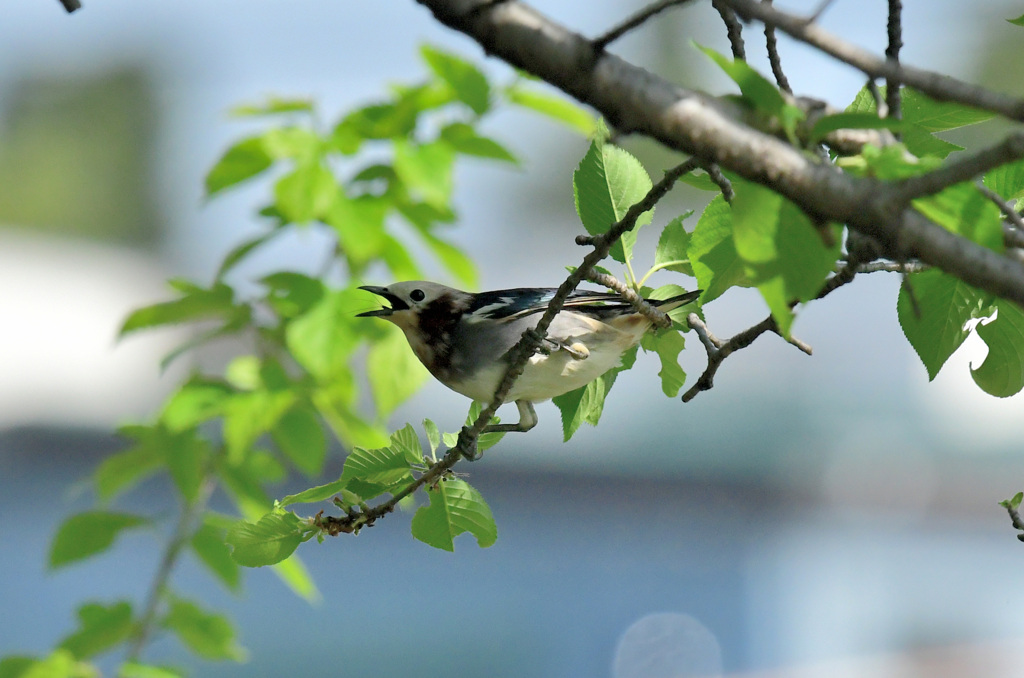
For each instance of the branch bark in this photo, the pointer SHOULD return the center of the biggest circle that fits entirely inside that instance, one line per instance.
(635, 100)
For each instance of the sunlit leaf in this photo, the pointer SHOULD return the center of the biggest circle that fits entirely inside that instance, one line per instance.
(100, 627)
(88, 533)
(1002, 372)
(455, 507)
(209, 635)
(270, 540)
(243, 160)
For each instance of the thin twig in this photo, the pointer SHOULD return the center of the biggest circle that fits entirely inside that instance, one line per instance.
(724, 185)
(719, 350)
(658, 317)
(940, 87)
(960, 170)
(1013, 227)
(733, 28)
(773, 55)
(892, 53)
(600, 43)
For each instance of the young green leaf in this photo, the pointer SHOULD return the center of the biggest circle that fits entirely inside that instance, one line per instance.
(712, 253)
(270, 540)
(383, 466)
(394, 372)
(323, 339)
(305, 193)
(88, 533)
(963, 210)
(464, 139)
(315, 494)
(137, 670)
(426, 170)
(209, 545)
(123, 470)
(1019, 21)
(555, 107)
(196, 303)
(1014, 502)
(607, 182)
(945, 304)
(187, 456)
(672, 248)
(100, 627)
(300, 437)
(274, 106)
(1002, 372)
(209, 635)
(196, 401)
(247, 416)
(585, 404)
(827, 124)
(1007, 181)
(469, 84)
(433, 434)
(455, 507)
(244, 160)
(668, 345)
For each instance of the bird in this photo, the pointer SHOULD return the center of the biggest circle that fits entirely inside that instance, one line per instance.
(465, 340)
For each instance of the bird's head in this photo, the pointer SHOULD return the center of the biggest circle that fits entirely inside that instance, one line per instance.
(410, 299)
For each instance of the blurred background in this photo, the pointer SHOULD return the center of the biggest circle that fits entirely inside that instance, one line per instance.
(826, 516)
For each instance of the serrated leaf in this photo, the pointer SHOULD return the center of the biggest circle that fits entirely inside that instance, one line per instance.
(270, 540)
(607, 182)
(945, 304)
(455, 507)
(300, 437)
(315, 494)
(209, 635)
(556, 107)
(1007, 180)
(1002, 372)
(100, 627)
(672, 248)
(242, 161)
(469, 84)
(433, 435)
(383, 466)
(89, 533)
(963, 210)
(712, 253)
(305, 193)
(756, 89)
(394, 372)
(209, 546)
(585, 404)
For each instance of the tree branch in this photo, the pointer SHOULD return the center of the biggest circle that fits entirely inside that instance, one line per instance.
(733, 29)
(940, 87)
(960, 170)
(772, 45)
(635, 100)
(894, 28)
(634, 21)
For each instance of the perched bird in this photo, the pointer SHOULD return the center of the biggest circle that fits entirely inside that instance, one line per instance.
(465, 339)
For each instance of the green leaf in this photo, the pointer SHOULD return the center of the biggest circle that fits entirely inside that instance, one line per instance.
(1002, 372)
(963, 210)
(585, 404)
(196, 303)
(756, 89)
(89, 533)
(315, 494)
(59, 664)
(712, 253)
(100, 627)
(209, 545)
(242, 161)
(1019, 21)
(455, 507)
(784, 254)
(433, 434)
(606, 184)
(392, 120)
(295, 143)
(209, 635)
(384, 466)
(123, 470)
(359, 223)
(292, 294)
(672, 248)
(464, 139)
(426, 170)
(668, 345)
(305, 193)
(301, 438)
(1013, 503)
(946, 304)
(556, 107)
(827, 124)
(196, 401)
(469, 84)
(323, 339)
(240, 252)
(270, 540)
(186, 456)
(247, 416)
(394, 371)
(274, 106)
(1007, 180)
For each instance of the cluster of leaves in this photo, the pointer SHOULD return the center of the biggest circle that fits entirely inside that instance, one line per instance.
(380, 182)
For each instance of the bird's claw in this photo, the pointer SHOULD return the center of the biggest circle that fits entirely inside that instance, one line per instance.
(469, 449)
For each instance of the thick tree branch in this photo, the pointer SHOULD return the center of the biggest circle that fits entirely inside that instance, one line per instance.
(940, 87)
(635, 100)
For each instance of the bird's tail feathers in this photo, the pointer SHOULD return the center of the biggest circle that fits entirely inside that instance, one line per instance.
(666, 305)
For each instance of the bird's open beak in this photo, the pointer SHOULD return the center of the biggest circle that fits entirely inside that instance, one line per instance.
(396, 303)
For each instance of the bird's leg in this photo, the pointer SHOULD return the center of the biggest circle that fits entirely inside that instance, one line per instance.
(527, 420)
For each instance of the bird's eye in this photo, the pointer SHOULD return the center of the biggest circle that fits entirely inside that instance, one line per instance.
(417, 295)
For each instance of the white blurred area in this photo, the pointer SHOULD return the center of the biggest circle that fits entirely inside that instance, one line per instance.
(63, 301)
